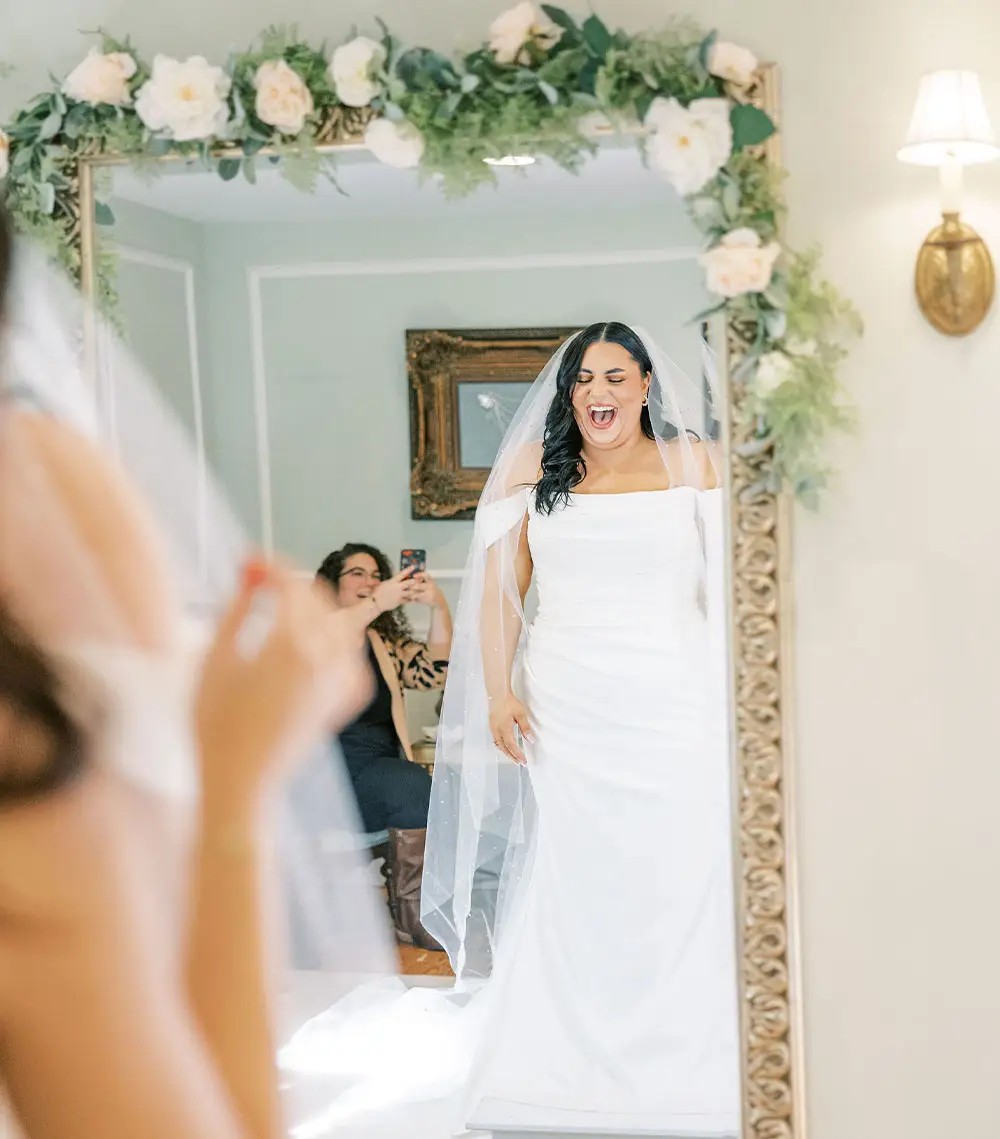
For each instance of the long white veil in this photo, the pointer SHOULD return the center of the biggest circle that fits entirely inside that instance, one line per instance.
(61, 358)
(482, 816)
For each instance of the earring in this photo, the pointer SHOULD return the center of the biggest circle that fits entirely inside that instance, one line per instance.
(645, 401)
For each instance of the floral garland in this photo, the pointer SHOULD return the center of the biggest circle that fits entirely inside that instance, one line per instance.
(541, 85)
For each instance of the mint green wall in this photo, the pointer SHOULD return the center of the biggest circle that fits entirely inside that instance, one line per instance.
(153, 302)
(334, 350)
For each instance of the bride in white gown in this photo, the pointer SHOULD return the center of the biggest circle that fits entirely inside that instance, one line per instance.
(579, 842)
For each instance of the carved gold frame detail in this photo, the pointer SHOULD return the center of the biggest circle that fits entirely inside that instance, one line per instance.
(760, 598)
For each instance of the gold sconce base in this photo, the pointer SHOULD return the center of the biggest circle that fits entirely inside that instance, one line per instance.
(954, 278)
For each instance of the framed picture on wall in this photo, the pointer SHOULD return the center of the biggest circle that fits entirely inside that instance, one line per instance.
(465, 387)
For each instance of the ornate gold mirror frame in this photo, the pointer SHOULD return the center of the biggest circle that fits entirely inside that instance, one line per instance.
(760, 537)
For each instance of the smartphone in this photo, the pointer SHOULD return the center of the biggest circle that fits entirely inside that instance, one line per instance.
(408, 558)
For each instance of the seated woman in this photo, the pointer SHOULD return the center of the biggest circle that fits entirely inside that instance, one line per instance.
(393, 792)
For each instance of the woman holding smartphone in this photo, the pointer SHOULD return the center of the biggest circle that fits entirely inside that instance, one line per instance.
(393, 792)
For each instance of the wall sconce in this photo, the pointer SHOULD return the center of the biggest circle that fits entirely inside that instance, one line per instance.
(951, 129)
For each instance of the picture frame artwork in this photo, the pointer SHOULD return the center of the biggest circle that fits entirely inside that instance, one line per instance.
(465, 388)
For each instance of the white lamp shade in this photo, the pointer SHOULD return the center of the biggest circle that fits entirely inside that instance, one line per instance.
(949, 123)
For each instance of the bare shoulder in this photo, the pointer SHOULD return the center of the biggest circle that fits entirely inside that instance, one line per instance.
(62, 873)
(707, 456)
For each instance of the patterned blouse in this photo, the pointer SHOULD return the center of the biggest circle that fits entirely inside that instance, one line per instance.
(415, 668)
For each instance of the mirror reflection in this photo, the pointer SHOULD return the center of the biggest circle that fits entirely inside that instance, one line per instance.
(542, 774)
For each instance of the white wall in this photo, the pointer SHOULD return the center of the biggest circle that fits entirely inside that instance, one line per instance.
(897, 616)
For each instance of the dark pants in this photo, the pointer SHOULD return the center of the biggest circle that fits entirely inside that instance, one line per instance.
(391, 792)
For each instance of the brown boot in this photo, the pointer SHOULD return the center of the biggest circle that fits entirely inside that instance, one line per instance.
(406, 859)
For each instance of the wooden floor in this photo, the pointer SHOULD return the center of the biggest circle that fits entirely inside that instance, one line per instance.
(423, 963)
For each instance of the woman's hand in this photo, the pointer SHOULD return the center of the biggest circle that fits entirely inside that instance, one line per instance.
(507, 715)
(424, 591)
(259, 711)
(396, 591)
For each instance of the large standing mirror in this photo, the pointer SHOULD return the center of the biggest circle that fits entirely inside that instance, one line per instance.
(348, 362)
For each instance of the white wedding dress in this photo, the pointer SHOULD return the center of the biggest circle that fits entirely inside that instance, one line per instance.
(612, 1003)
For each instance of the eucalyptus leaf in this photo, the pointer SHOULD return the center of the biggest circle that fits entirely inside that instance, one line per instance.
(301, 170)
(103, 214)
(75, 121)
(776, 293)
(751, 126)
(731, 199)
(705, 49)
(559, 17)
(46, 197)
(239, 111)
(383, 28)
(548, 91)
(708, 212)
(643, 103)
(22, 158)
(776, 323)
(588, 76)
(448, 107)
(469, 83)
(596, 36)
(228, 168)
(159, 146)
(250, 171)
(50, 128)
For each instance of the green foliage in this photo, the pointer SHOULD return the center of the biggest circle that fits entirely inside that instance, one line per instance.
(470, 107)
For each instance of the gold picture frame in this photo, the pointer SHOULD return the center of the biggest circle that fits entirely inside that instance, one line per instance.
(440, 363)
(772, 1069)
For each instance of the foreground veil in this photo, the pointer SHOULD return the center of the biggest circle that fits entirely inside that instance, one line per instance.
(60, 358)
(482, 814)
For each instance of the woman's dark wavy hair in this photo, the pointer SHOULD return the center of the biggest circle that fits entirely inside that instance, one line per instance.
(392, 625)
(44, 746)
(563, 464)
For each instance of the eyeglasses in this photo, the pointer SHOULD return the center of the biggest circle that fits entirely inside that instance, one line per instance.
(359, 574)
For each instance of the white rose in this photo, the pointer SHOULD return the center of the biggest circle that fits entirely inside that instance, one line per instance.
(101, 79)
(513, 30)
(283, 100)
(732, 63)
(689, 145)
(186, 98)
(395, 144)
(739, 264)
(352, 69)
(4, 154)
(773, 370)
